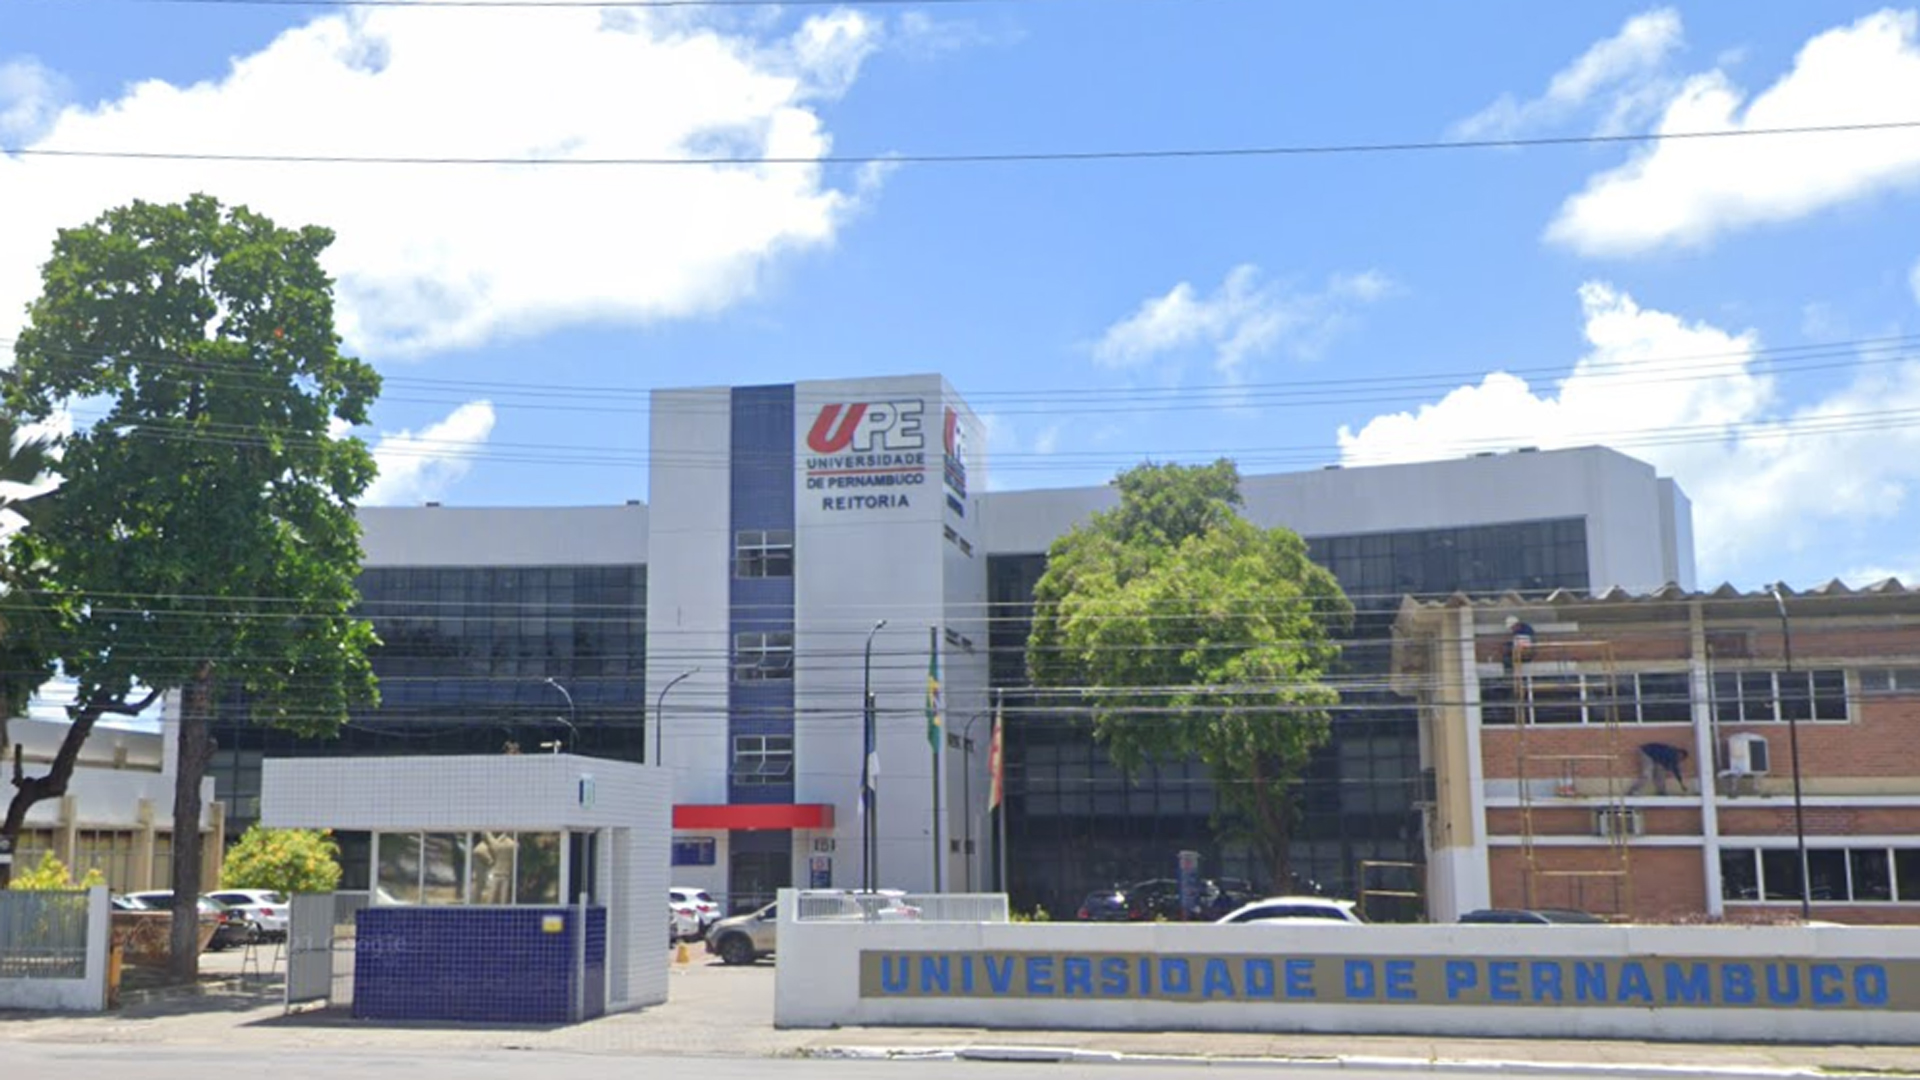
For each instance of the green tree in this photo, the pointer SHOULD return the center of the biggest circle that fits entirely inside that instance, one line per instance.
(203, 539)
(1192, 634)
(26, 658)
(52, 875)
(284, 860)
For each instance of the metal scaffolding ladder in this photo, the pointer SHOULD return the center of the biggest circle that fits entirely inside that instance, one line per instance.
(1574, 776)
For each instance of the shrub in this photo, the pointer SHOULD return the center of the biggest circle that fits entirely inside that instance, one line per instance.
(284, 860)
(52, 874)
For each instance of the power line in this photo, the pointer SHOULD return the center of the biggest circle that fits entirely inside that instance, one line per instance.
(966, 158)
(563, 5)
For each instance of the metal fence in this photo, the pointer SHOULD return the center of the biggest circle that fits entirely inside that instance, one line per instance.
(43, 935)
(835, 905)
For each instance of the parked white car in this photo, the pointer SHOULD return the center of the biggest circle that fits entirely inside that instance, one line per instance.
(682, 925)
(1300, 910)
(697, 904)
(261, 907)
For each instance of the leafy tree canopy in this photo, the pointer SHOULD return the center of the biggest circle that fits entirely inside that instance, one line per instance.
(203, 538)
(1194, 635)
(285, 860)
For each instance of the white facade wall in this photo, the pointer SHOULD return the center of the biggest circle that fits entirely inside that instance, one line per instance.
(854, 567)
(1630, 510)
(689, 573)
(504, 536)
(118, 770)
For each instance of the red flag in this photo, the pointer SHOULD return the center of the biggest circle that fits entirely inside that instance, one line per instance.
(995, 764)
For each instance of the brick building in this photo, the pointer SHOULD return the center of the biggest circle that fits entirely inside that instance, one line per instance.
(1548, 727)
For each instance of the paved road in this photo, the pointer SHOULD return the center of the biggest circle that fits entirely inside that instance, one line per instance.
(150, 1063)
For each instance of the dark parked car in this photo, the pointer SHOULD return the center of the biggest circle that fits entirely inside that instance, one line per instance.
(1223, 895)
(1104, 905)
(1523, 917)
(232, 929)
(1155, 898)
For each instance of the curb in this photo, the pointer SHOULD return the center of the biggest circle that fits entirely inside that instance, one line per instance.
(238, 984)
(1441, 1066)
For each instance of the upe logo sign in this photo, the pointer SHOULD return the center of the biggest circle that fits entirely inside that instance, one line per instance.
(866, 426)
(870, 452)
(954, 436)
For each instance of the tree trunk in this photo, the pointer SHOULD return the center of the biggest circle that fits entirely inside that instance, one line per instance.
(1272, 827)
(28, 790)
(195, 751)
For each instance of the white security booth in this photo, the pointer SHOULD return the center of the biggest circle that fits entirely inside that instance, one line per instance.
(505, 888)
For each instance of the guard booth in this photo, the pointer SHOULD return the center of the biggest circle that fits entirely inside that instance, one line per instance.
(514, 889)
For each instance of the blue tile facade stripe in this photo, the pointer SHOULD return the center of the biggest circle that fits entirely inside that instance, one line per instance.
(475, 964)
(760, 496)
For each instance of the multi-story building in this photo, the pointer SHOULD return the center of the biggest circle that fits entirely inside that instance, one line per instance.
(117, 814)
(785, 524)
(1635, 755)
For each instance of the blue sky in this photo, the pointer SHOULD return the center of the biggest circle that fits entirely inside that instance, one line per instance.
(1733, 310)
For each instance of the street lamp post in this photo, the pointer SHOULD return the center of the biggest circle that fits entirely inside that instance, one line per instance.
(966, 787)
(571, 715)
(869, 784)
(660, 714)
(1793, 751)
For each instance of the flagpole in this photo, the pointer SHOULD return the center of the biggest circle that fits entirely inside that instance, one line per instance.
(1000, 782)
(934, 738)
(869, 782)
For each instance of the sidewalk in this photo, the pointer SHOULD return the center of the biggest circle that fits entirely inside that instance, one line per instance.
(726, 1012)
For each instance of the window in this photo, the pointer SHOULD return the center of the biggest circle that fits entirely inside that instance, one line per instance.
(1646, 697)
(1763, 696)
(1872, 874)
(399, 868)
(762, 759)
(763, 553)
(762, 654)
(1739, 875)
(1890, 680)
(1838, 875)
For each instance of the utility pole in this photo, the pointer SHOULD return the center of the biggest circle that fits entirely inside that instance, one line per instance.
(1793, 750)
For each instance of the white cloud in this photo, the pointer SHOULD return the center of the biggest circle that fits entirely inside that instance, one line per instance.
(923, 37)
(430, 258)
(1244, 319)
(416, 468)
(1691, 399)
(30, 95)
(1688, 191)
(1624, 63)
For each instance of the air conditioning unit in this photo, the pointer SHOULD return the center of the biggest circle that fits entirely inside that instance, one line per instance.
(1747, 755)
(1614, 823)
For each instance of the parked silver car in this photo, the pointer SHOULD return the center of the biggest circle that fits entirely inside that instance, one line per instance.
(743, 939)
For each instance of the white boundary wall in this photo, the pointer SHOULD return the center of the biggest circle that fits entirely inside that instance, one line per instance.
(820, 980)
(85, 994)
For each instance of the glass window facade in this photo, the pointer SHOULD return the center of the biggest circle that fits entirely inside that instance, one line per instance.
(1853, 875)
(463, 663)
(1075, 823)
(1747, 697)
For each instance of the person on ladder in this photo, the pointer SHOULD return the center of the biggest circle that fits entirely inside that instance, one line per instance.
(1657, 761)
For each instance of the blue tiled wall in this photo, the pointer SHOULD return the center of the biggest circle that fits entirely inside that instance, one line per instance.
(761, 496)
(475, 964)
